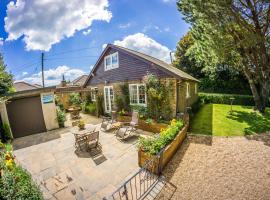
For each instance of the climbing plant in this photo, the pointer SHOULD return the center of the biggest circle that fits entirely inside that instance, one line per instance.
(158, 97)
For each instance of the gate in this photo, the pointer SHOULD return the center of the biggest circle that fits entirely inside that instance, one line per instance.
(142, 185)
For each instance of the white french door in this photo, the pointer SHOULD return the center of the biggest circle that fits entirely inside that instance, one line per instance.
(108, 98)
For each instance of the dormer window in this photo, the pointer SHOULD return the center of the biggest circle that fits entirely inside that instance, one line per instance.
(111, 61)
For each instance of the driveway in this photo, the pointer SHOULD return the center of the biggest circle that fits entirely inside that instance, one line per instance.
(63, 173)
(220, 168)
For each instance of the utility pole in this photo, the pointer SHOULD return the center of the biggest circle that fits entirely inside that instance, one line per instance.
(42, 69)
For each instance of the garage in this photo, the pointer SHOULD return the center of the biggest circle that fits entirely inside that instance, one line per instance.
(25, 116)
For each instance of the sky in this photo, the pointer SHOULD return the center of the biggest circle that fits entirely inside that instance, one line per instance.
(72, 35)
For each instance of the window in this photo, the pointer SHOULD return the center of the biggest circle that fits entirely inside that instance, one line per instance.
(137, 94)
(94, 92)
(111, 61)
(196, 88)
(188, 90)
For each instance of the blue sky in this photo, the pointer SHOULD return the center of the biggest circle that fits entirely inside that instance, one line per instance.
(72, 42)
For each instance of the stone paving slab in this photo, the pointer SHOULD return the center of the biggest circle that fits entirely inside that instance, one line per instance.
(63, 173)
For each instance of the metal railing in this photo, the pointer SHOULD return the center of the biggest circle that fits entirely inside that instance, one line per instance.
(137, 186)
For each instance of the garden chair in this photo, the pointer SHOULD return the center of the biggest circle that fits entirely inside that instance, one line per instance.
(79, 141)
(107, 122)
(129, 128)
(93, 140)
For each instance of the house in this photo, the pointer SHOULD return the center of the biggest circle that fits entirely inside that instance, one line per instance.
(22, 86)
(64, 89)
(117, 65)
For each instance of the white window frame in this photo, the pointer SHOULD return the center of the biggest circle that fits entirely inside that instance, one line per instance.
(110, 103)
(187, 90)
(138, 96)
(95, 95)
(196, 88)
(111, 66)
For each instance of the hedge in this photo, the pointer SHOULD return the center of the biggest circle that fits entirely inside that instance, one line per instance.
(246, 100)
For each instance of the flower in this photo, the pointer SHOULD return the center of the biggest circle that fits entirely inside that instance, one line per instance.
(8, 156)
(9, 163)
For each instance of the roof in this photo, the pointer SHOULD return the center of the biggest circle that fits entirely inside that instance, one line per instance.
(160, 63)
(79, 81)
(23, 86)
(163, 65)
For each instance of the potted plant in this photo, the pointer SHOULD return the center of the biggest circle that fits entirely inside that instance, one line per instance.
(81, 125)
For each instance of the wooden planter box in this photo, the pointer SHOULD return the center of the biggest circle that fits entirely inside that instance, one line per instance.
(153, 127)
(166, 155)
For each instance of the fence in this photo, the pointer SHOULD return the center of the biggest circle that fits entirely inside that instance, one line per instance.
(138, 186)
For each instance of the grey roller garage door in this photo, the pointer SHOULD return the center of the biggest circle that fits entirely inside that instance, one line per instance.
(26, 116)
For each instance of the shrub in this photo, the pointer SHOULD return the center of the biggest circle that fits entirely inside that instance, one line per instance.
(61, 117)
(206, 98)
(75, 99)
(15, 182)
(99, 105)
(7, 135)
(153, 145)
(143, 111)
(91, 108)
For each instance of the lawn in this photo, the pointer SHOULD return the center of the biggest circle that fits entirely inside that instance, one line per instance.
(216, 120)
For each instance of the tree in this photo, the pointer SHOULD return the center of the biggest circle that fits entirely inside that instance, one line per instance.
(184, 59)
(6, 79)
(219, 78)
(234, 32)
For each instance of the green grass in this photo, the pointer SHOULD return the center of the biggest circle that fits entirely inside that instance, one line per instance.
(216, 120)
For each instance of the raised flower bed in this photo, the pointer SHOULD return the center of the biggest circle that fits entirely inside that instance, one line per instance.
(153, 127)
(163, 147)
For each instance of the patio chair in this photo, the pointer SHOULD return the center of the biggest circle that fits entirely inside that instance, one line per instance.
(93, 140)
(79, 141)
(107, 122)
(129, 128)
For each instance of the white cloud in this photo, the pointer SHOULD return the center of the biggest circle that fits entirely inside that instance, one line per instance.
(142, 43)
(151, 27)
(43, 23)
(54, 76)
(1, 41)
(167, 29)
(24, 73)
(124, 26)
(87, 32)
(104, 46)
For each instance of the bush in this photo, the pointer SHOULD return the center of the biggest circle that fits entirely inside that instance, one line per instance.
(99, 105)
(143, 111)
(15, 182)
(61, 117)
(75, 99)
(7, 135)
(91, 108)
(206, 98)
(153, 145)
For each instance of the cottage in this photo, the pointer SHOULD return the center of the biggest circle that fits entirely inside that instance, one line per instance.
(118, 65)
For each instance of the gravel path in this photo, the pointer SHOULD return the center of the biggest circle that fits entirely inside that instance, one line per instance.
(221, 168)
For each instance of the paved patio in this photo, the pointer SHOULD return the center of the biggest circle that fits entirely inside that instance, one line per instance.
(63, 173)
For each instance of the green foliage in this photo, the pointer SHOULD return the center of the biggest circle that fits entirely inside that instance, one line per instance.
(99, 105)
(206, 98)
(91, 108)
(122, 101)
(219, 78)
(6, 79)
(158, 97)
(75, 99)
(122, 112)
(15, 182)
(153, 145)
(149, 121)
(233, 33)
(61, 117)
(7, 135)
(143, 111)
